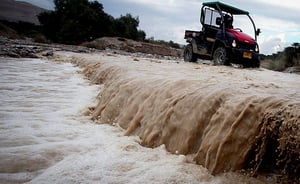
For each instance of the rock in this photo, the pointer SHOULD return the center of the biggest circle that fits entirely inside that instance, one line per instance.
(47, 53)
(295, 69)
(29, 49)
(12, 54)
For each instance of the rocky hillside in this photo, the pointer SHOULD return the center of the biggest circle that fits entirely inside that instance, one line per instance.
(15, 11)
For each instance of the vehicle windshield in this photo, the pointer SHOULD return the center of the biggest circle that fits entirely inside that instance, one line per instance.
(244, 23)
(238, 22)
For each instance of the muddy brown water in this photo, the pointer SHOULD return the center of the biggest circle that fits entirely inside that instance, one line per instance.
(213, 119)
(224, 118)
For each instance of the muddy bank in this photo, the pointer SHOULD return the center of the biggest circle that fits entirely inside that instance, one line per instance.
(223, 118)
(132, 46)
(25, 48)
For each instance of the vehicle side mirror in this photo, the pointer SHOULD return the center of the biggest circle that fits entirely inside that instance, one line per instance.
(258, 32)
(218, 21)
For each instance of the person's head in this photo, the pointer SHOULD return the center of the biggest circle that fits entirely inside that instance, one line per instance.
(228, 21)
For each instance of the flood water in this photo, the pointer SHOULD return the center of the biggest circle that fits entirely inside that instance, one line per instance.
(39, 115)
(44, 138)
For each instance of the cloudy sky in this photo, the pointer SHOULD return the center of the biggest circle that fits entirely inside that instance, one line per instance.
(168, 19)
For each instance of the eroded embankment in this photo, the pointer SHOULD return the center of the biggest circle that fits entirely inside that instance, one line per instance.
(225, 118)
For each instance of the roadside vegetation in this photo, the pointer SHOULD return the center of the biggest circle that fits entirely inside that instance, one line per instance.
(289, 57)
(164, 43)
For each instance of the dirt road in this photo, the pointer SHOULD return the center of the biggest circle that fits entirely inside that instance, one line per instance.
(223, 118)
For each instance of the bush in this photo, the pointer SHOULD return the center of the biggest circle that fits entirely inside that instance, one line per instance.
(289, 57)
(40, 38)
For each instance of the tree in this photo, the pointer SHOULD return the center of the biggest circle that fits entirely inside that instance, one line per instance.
(289, 55)
(75, 21)
(126, 26)
(50, 24)
(292, 54)
(141, 35)
(296, 45)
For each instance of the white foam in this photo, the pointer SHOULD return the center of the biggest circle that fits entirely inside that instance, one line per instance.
(44, 139)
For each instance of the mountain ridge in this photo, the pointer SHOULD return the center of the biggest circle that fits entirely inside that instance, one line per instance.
(15, 11)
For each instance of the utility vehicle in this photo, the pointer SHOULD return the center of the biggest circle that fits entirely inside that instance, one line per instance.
(219, 40)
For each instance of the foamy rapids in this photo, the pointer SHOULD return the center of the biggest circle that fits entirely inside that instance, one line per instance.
(223, 118)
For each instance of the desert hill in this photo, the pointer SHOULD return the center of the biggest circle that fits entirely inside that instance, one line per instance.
(15, 11)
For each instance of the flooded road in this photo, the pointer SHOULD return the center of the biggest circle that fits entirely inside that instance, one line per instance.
(223, 118)
(44, 138)
(40, 114)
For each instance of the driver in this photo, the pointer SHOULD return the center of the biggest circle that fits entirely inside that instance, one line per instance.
(228, 21)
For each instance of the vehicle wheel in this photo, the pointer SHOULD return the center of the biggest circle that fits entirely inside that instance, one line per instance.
(256, 64)
(219, 56)
(188, 54)
(252, 64)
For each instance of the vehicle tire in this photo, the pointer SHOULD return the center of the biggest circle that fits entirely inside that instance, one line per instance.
(256, 64)
(252, 64)
(188, 54)
(219, 56)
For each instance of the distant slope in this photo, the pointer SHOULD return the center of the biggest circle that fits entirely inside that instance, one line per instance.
(15, 11)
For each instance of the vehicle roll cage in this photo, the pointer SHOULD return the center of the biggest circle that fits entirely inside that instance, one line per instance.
(224, 8)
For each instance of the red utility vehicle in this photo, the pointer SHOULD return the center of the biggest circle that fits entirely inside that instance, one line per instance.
(219, 40)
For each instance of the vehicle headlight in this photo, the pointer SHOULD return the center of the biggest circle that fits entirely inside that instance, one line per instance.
(256, 48)
(233, 43)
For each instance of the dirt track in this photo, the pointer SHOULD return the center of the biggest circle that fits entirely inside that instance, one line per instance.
(223, 118)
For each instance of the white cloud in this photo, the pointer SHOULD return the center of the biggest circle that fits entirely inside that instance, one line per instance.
(272, 44)
(168, 7)
(276, 34)
(169, 19)
(275, 25)
(291, 4)
(158, 5)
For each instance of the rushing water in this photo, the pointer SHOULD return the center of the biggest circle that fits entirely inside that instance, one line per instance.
(223, 118)
(40, 104)
(45, 139)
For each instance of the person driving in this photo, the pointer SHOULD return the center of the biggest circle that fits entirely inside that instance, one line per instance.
(228, 21)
